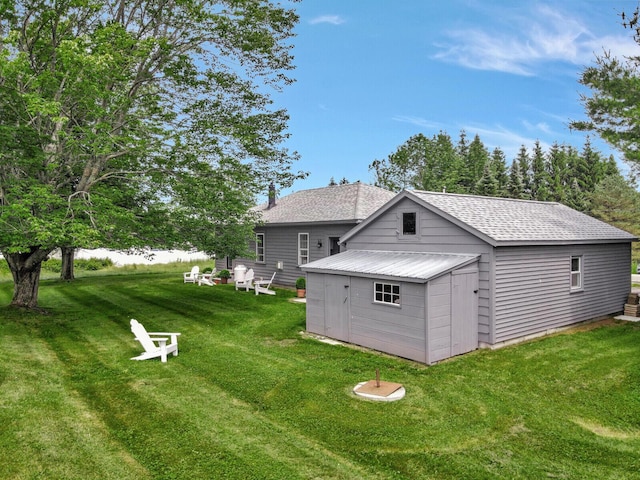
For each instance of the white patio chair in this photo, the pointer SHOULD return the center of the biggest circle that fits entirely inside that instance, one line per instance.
(247, 283)
(154, 343)
(262, 286)
(206, 279)
(192, 276)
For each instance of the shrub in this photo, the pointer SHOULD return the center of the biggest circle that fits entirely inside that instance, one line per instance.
(225, 274)
(301, 283)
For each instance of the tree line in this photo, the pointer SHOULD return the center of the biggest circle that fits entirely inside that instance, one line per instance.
(583, 179)
(562, 173)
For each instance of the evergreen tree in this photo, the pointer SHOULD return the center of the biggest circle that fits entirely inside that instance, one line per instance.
(557, 169)
(524, 168)
(616, 200)
(516, 187)
(449, 164)
(487, 185)
(474, 167)
(539, 174)
(499, 166)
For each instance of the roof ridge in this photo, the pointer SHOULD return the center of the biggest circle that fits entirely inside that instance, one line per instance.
(470, 195)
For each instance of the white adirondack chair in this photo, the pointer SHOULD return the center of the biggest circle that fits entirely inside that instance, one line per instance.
(247, 283)
(192, 276)
(206, 279)
(154, 343)
(262, 286)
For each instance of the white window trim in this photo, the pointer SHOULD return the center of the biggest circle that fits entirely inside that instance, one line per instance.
(400, 225)
(301, 249)
(391, 303)
(578, 273)
(258, 260)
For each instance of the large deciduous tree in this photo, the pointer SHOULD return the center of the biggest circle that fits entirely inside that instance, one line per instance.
(137, 124)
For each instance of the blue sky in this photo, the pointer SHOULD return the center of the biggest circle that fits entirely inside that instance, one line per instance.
(370, 74)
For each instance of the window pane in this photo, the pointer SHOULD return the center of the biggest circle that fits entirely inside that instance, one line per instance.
(575, 264)
(409, 223)
(386, 293)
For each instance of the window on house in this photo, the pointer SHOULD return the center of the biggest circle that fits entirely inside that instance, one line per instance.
(260, 247)
(408, 223)
(576, 273)
(303, 248)
(386, 293)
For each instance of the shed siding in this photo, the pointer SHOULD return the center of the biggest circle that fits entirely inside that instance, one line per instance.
(436, 234)
(315, 303)
(533, 291)
(388, 328)
(439, 314)
(281, 245)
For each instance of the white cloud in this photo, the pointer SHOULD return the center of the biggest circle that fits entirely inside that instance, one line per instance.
(331, 19)
(508, 141)
(537, 127)
(418, 121)
(524, 41)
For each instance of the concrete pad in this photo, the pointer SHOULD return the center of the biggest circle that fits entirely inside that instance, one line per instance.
(396, 395)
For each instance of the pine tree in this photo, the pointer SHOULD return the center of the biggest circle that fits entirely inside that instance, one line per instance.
(516, 185)
(539, 175)
(476, 160)
(487, 185)
(499, 166)
(524, 167)
(557, 169)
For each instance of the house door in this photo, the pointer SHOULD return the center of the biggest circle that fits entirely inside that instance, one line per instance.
(337, 306)
(464, 311)
(334, 247)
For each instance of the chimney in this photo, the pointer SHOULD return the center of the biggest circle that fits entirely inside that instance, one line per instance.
(272, 195)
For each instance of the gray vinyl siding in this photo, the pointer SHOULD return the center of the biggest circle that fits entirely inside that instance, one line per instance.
(533, 291)
(439, 311)
(315, 303)
(436, 234)
(388, 328)
(281, 245)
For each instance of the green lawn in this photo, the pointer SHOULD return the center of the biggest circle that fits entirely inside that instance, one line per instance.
(249, 397)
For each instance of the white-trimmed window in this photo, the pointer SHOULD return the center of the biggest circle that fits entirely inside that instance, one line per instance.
(388, 293)
(576, 273)
(260, 247)
(408, 227)
(409, 223)
(303, 248)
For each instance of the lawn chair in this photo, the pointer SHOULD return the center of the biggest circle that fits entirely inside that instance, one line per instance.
(206, 279)
(192, 276)
(247, 283)
(262, 286)
(148, 341)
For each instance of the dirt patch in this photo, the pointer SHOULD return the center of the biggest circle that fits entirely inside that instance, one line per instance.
(585, 327)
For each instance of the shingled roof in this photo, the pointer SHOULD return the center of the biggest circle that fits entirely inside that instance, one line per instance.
(349, 203)
(506, 221)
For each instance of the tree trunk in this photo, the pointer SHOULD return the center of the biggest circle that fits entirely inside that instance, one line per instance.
(68, 255)
(25, 268)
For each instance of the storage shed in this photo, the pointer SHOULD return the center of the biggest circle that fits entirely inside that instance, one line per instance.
(432, 275)
(421, 306)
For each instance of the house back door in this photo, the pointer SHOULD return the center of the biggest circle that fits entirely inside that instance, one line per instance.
(464, 311)
(337, 306)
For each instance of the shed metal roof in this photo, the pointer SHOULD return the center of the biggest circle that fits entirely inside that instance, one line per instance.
(352, 202)
(409, 266)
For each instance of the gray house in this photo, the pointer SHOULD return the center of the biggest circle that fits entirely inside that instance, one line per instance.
(432, 275)
(306, 226)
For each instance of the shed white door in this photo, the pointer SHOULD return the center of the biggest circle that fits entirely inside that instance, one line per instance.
(336, 300)
(464, 312)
